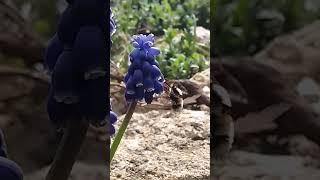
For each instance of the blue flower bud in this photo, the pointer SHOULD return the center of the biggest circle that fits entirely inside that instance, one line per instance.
(155, 72)
(150, 38)
(146, 45)
(139, 93)
(129, 95)
(137, 39)
(131, 70)
(136, 63)
(90, 12)
(161, 78)
(158, 87)
(112, 24)
(135, 54)
(90, 50)
(67, 27)
(60, 112)
(57, 111)
(146, 68)
(148, 97)
(70, 1)
(113, 117)
(65, 83)
(110, 107)
(53, 51)
(112, 130)
(135, 45)
(93, 98)
(148, 84)
(130, 86)
(126, 78)
(154, 62)
(137, 78)
(153, 51)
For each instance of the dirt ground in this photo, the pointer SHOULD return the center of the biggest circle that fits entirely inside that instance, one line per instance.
(164, 145)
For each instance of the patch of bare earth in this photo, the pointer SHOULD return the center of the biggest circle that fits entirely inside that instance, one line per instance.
(164, 145)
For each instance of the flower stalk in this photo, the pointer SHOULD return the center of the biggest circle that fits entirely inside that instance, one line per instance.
(68, 150)
(122, 129)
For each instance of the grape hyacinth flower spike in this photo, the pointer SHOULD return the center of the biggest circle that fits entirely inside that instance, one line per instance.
(77, 62)
(143, 80)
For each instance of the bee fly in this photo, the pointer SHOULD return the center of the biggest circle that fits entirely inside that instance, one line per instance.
(175, 95)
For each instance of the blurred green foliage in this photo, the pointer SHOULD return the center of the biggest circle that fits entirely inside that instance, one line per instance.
(42, 14)
(173, 22)
(246, 26)
(157, 15)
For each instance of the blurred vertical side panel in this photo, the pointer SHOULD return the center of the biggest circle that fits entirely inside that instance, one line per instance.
(31, 139)
(265, 88)
(222, 126)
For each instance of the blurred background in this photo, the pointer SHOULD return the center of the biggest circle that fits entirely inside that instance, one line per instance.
(181, 32)
(245, 27)
(266, 54)
(25, 28)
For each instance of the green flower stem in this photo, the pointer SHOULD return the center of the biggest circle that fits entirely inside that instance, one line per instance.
(122, 129)
(68, 149)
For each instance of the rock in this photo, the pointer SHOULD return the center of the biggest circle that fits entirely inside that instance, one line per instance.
(310, 90)
(164, 145)
(80, 171)
(264, 86)
(13, 87)
(251, 166)
(202, 78)
(307, 86)
(203, 35)
(300, 145)
(206, 91)
(296, 54)
(266, 118)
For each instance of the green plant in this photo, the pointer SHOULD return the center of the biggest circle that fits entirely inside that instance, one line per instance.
(246, 26)
(181, 57)
(173, 23)
(133, 15)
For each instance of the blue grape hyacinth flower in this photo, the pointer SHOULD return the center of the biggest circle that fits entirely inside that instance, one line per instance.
(112, 120)
(144, 78)
(112, 24)
(76, 61)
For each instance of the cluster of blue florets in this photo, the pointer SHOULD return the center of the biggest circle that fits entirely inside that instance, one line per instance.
(76, 59)
(144, 78)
